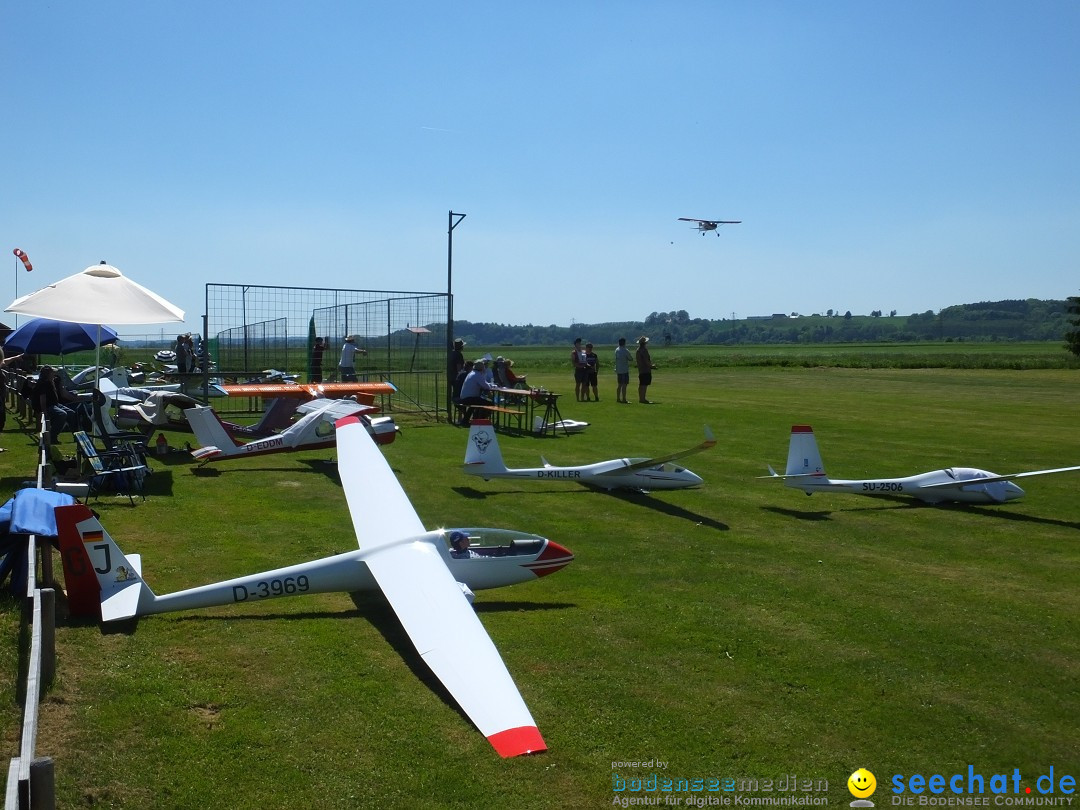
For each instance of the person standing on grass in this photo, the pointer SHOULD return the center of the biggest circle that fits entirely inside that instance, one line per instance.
(645, 368)
(592, 365)
(581, 378)
(316, 360)
(622, 371)
(347, 364)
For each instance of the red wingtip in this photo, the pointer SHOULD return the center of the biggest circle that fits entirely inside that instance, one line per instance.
(346, 420)
(481, 422)
(514, 742)
(801, 429)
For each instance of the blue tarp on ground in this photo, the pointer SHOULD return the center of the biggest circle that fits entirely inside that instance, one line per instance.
(29, 511)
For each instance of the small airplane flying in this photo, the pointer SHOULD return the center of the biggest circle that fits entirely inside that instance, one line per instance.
(426, 584)
(704, 225)
(313, 431)
(806, 471)
(483, 458)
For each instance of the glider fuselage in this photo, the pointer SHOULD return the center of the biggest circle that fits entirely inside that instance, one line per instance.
(916, 486)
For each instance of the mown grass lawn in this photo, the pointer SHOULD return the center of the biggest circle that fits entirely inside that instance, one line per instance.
(737, 630)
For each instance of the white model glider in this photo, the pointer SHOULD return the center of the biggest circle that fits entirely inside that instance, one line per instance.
(483, 458)
(313, 431)
(423, 581)
(806, 471)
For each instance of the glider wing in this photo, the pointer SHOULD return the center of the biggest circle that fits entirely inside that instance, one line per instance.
(958, 484)
(710, 441)
(439, 620)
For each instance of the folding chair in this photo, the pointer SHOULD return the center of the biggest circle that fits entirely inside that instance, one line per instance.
(123, 467)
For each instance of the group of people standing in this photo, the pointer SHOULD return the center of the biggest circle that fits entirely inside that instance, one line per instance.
(346, 364)
(586, 364)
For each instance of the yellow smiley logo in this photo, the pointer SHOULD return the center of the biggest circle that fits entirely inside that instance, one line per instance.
(861, 783)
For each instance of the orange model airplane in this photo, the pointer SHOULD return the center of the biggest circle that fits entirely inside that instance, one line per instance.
(333, 390)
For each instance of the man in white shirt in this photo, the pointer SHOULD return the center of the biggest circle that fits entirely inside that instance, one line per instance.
(347, 364)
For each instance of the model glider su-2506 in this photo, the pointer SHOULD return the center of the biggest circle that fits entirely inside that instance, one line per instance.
(426, 585)
(704, 225)
(806, 471)
(312, 431)
(483, 458)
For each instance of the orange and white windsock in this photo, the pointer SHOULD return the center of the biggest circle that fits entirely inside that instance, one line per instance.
(24, 259)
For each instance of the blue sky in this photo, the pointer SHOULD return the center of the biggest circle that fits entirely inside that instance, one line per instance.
(903, 156)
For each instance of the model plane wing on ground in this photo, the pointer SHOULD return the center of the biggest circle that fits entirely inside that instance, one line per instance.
(422, 581)
(806, 471)
(483, 458)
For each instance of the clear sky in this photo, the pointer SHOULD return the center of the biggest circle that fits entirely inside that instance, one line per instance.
(881, 155)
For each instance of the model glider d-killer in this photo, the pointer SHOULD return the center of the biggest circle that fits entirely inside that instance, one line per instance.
(311, 432)
(483, 458)
(428, 586)
(806, 471)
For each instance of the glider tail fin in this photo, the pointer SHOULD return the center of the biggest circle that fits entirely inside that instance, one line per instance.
(101, 580)
(803, 456)
(208, 428)
(482, 453)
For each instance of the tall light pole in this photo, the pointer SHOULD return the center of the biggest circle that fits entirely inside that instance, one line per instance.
(453, 220)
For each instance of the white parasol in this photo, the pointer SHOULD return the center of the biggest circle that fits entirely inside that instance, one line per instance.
(99, 294)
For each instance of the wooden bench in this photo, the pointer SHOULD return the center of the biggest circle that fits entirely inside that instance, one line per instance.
(501, 415)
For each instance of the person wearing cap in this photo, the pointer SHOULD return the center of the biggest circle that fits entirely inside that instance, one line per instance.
(622, 371)
(513, 380)
(473, 389)
(645, 368)
(581, 371)
(459, 545)
(347, 364)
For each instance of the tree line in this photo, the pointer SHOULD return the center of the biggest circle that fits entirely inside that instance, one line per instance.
(1011, 320)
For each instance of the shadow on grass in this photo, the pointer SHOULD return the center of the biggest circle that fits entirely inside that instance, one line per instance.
(641, 499)
(319, 466)
(375, 608)
(630, 496)
(1001, 513)
(799, 514)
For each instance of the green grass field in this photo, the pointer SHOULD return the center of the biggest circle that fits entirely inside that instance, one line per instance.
(733, 631)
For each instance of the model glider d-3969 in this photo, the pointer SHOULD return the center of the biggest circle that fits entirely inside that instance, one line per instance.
(428, 587)
(312, 431)
(806, 471)
(704, 225)
(483, 458)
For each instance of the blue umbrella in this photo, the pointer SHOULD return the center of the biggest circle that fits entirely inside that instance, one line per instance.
(44, 336)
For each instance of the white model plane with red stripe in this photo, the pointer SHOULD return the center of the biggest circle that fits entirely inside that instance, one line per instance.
(806, 471)
(428, 585)
(313, 431)
(483, 458)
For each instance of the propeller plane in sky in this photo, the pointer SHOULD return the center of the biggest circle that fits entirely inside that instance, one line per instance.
(704, 225)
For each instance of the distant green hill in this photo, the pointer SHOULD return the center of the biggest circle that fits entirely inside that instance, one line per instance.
(1029, 319)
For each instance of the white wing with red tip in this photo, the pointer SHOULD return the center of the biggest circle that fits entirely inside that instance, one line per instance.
(411, 571)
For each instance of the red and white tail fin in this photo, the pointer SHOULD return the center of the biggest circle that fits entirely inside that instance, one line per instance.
(209, 430)
(803, 456)
(101, 580)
